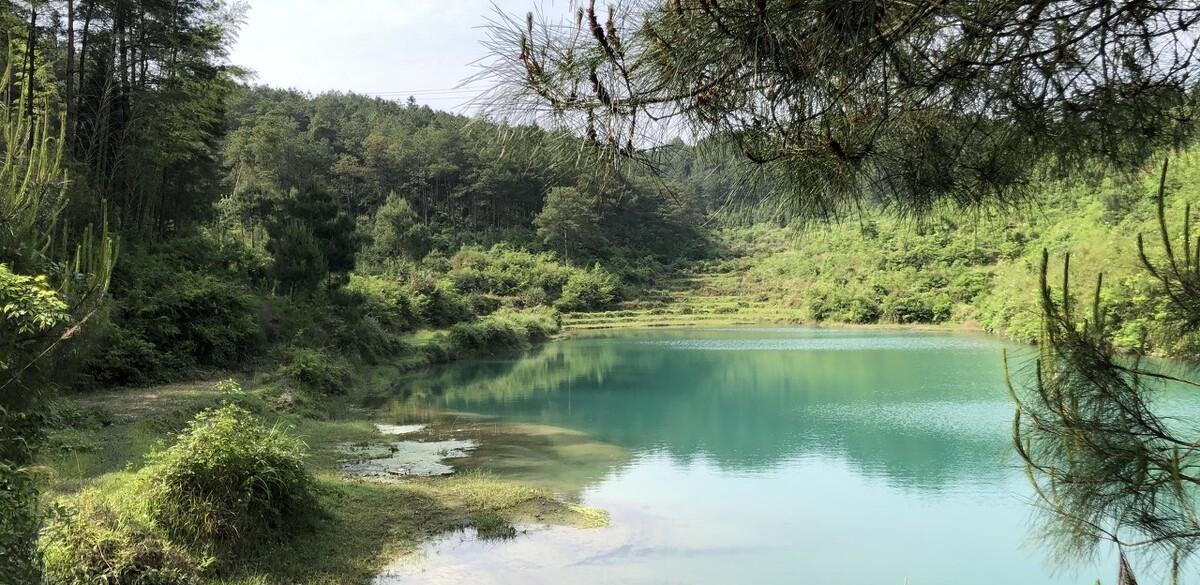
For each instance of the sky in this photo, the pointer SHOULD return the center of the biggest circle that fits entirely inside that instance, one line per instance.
(392, 48)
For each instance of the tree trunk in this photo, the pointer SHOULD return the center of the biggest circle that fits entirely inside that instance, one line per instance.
(122, 26)
(88, 9)
(31, 59)
(69, 82)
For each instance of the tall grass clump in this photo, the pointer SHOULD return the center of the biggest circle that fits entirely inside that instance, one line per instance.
(229, 479)
(90, 542)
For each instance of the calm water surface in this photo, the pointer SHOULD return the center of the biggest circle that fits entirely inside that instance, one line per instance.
(760, 456)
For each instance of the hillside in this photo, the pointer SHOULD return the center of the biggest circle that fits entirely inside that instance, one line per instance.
(978, 272)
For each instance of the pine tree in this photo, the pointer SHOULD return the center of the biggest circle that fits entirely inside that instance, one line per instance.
(910, 104)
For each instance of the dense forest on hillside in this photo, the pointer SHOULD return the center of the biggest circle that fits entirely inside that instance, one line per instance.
(173, 221)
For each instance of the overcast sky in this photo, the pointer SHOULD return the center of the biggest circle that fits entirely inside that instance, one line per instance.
(391, 47)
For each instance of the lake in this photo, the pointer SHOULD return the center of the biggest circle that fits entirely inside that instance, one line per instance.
(757, 456)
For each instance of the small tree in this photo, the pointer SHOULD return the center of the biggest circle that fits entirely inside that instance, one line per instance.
(567, 222)
(311, 240)
(396, 232)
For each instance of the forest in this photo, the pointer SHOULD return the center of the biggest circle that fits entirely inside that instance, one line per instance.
(169, 223)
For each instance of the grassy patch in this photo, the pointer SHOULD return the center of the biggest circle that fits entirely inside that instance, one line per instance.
(363, 526)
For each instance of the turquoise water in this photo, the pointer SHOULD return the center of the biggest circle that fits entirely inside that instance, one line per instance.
(762, 456)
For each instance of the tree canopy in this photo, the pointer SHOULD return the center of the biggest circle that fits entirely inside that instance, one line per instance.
(904, 103)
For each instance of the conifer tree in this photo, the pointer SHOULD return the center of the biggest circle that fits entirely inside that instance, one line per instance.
(904, 103)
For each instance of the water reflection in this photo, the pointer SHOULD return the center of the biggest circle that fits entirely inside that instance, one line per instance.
(754, 455)
(920, 409)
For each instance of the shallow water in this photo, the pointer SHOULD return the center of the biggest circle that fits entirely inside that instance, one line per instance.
(760, 456)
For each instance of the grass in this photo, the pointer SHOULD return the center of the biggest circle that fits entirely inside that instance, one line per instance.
(365, 524)
(707, 298)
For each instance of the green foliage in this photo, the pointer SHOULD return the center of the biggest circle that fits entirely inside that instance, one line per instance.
(229, 482)
(569, 223)
(178, 307)
(502, 331)
(436, 302)
(297, 260)
(28, 308)
(909, 104)
(524, 279)
(506, 271)
(979, 271)
(492, 526)
(19, 522)
(1106, 461)
(588, 290)
(386, 300)
(90, 541)
(316, 370)
(895, 273)
(310, 240)
(396, 233)
(51, 276)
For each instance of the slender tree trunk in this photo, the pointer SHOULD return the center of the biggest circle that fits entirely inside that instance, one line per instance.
(122, 26)
(139, 73)
(88, 9)
(31, 59)
(69, 82)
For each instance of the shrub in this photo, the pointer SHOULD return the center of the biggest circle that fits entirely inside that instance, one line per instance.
(91, 543)
(316, 370)
(18, 524)
(502, 331)
(386, 299)
(437, 303)
(861, 310)
(907, 310)
(172, 313)
(968, 286)
(533, 297)
(588, 290)
(506, 271)
(941, 308)
(483, 304)
(229, 480)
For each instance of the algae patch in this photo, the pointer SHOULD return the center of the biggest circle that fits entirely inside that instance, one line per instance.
(402, 458)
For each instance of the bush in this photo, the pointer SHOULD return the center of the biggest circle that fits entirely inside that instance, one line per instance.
(588, 290)
(386, 299)
(506, 271)
(438, 304)
(173, 312)
(229, 481)
(907, 310)
(18, 524)
(483, 304)
(501, 331)
(316, 370)
(91, 543)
